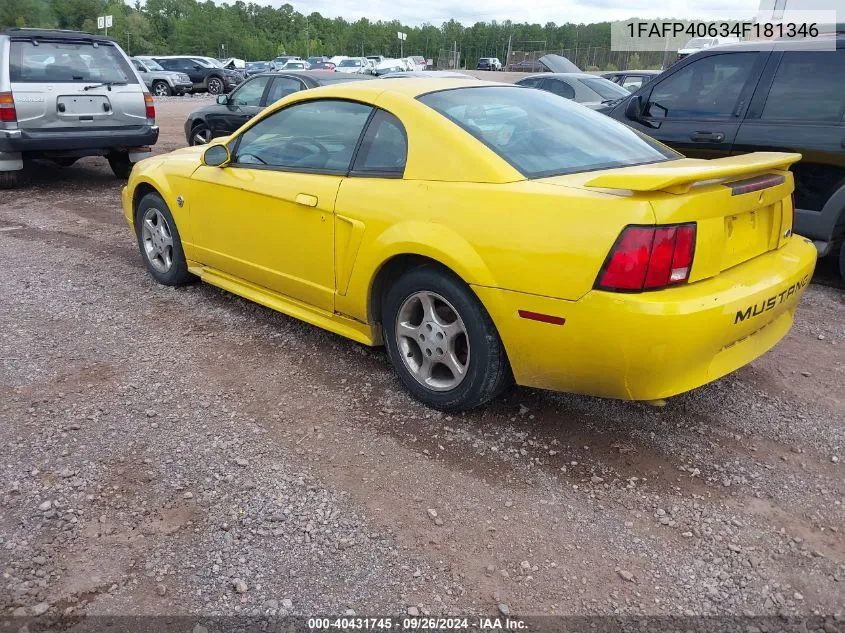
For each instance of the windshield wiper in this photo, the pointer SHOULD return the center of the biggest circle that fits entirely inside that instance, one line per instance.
(612, 101)
(108, 84)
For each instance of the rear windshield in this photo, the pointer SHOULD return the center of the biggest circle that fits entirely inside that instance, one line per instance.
(541, 134)
(604, 87)
(68, 62)
(349, 63)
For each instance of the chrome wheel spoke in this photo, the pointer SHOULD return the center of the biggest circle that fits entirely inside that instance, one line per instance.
(157, 240)
(432, 340)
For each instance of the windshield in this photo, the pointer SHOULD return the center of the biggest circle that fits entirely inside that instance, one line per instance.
(350, 63)
(699, 42)
(604, 87)
(66, 62)
(541, 134)
(151, 64)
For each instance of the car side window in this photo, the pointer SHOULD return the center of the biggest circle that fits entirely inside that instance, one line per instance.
(531, 82)
(707, 88)
(169, 64)
(282, 87)
(384, 149)
(804, 87)
(633, 82)
(138, 66)
(250, 93)
(559, 87)
(318, 135)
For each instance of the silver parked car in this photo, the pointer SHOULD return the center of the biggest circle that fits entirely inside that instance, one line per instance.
(161, 82)
(67, 94)
(597, 93)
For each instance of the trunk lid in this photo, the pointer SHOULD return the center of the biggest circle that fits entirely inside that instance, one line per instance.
(73, 84)
(741, 205)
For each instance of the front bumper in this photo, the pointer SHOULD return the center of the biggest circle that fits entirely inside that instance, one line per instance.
(182, 87)
(114, 138)
(653, 345)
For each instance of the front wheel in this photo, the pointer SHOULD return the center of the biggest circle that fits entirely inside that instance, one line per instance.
(161, 89)
(159, 242)
(200, 134)
(442, 342)
(215, 86)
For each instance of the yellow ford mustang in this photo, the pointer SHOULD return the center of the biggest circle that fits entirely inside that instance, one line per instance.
(485, 234)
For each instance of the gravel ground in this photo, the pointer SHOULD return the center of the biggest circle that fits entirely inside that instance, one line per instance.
(183, 451)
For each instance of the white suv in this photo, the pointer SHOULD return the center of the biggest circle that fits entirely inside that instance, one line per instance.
(65, 95)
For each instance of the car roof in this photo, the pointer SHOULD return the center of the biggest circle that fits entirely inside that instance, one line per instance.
(414, 86)
(634, 72)
(564, 75)
(317, 76)
(54, 34)
(780, 45)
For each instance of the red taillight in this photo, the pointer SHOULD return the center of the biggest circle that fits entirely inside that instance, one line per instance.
(647, 258)
(150, 105)
(8, 114)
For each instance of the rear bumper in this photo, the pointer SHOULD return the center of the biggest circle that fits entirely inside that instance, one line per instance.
(654, 345)
(24, 141)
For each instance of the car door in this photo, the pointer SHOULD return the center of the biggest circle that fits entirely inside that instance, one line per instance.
(242, 104)
(799, 107)
(698, 108)
(267, 217)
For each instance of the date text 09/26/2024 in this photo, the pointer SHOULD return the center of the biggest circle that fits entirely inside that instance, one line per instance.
(417, 624)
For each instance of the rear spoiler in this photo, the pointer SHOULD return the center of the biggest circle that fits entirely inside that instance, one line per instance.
(677, 176)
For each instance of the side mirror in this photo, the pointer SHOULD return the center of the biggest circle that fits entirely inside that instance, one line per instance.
(634, 109)
(223, 99)
(216, 156)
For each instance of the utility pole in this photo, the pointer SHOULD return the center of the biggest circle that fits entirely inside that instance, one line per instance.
(307, 40)
(508, 57)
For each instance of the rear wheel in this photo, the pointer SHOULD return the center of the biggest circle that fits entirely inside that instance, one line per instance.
(214, 85)
(159, 242)
(842, 261)
(120, 164)
(442, 342)
(161, 89)
(200, 134)
(11, 179)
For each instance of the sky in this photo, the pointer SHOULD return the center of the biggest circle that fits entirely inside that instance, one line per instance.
(415, 12)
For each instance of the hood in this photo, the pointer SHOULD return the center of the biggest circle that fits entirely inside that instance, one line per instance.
(233, 62)
(559, 64)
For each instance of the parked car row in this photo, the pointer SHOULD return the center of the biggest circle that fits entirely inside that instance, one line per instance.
(722, 101)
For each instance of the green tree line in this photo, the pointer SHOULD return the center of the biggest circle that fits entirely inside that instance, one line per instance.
(253, 31)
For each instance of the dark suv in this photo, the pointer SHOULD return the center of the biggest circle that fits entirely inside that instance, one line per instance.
(760, 96)
(205, 74)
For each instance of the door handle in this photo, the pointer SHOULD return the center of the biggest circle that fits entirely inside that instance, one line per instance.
(306, 199)
(701, 137)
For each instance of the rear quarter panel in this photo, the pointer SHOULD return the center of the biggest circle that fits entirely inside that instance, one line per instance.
(529, 237)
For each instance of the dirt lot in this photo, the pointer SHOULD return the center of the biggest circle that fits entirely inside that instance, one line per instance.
(182, 451)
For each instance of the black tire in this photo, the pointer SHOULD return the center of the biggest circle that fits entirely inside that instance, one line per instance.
(177, 274)
(842, 261)
(488, 372)
(120, 164)
(214, 85)
(11, 179)
(200, 134)
(65, 162)
(161, 89)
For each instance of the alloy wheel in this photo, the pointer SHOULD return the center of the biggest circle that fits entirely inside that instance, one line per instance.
(215, 86)
(201, 136)
(432, 339)
(157, 240)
